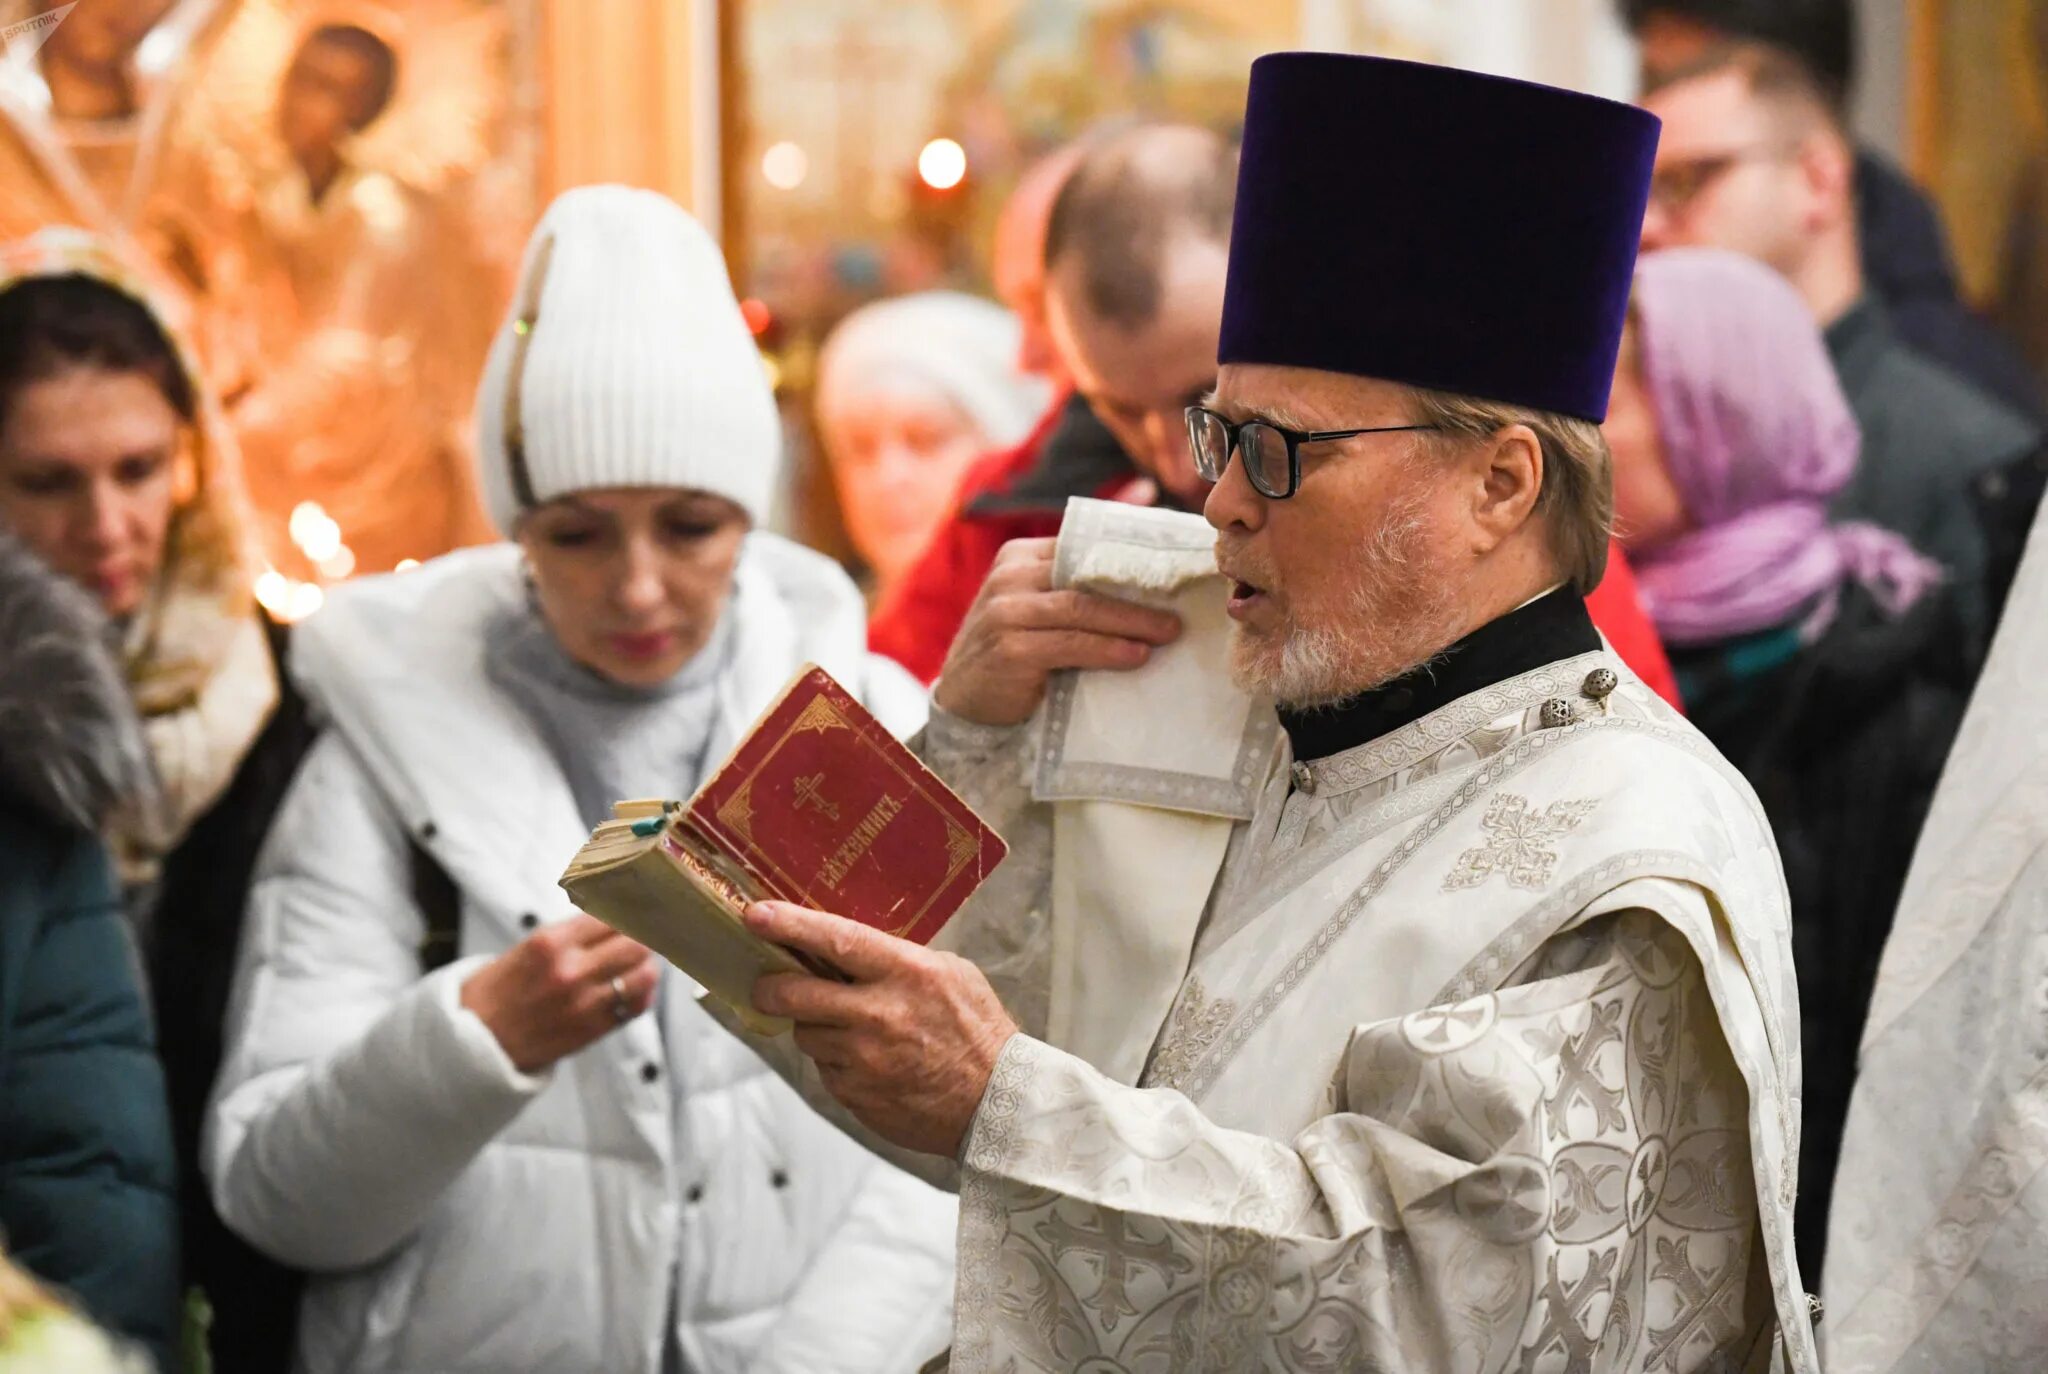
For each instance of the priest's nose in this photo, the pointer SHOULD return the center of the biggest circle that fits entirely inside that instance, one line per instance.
(1233, 504)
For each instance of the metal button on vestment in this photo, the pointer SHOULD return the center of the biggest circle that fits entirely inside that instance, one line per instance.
(1556, 714)
(1304, 780)
(1600, 683)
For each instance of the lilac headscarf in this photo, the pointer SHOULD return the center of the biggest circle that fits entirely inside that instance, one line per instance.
(1759, 439)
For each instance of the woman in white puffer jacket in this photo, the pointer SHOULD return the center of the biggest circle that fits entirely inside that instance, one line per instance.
(543, 1156)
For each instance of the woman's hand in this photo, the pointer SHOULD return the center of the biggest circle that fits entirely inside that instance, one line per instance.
(560, 989)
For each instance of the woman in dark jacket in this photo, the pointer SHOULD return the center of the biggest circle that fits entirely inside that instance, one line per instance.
(1826, 661)
(86, 1168)
(118, 472)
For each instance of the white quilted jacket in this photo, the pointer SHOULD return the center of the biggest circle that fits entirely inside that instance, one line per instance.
(459, 1215)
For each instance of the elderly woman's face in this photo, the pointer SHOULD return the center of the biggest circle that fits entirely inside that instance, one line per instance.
(88, 478)
(631, 581)
(1648, 509)
(898, 453)
(1355, 578)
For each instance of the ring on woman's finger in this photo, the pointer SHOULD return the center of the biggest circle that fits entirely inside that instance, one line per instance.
(622, 1009)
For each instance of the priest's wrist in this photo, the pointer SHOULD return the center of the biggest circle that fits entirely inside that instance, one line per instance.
(988, 1077)
(962, 706)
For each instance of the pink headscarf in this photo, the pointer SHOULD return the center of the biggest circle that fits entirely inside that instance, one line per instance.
(1759, 439)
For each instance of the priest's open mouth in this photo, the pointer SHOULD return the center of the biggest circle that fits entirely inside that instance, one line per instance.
(1243, 597)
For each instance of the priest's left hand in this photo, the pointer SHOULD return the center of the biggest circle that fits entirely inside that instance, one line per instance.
(908, 1046)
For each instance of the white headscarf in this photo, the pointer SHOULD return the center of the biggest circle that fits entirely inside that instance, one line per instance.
(1935, 1257)
(959, 344)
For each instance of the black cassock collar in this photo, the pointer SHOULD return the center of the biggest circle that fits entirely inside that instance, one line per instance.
(1547, 629)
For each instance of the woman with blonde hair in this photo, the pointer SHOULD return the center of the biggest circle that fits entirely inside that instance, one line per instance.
(41, 1334)
(501, 1136)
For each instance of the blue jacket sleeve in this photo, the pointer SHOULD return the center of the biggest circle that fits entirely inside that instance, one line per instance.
(86, 1166)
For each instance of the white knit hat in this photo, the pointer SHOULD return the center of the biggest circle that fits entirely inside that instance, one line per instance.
(624, 363)
(963, 346)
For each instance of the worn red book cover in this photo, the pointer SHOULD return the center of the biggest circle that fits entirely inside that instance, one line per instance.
(824, 807)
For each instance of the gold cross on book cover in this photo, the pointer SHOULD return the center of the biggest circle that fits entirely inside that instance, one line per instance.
(819, 805)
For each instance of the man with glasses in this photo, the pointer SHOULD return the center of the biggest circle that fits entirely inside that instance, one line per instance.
(1901, 244)
(1147, 206)
(1754, 160)
(1483, 1054)
(1134, 252)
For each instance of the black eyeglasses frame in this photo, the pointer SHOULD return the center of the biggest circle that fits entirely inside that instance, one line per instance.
(1234, 432)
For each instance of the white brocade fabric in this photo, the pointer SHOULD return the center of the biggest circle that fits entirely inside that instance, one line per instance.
(1554, 1176)
(1938, 1234)
(1142, 803)
(1486, 1060)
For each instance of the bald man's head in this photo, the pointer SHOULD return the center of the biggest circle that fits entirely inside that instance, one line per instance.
(1132, 200)
(1136, 256)
(1018, 262)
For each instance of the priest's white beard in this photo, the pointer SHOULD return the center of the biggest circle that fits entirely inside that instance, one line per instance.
(1395, 607)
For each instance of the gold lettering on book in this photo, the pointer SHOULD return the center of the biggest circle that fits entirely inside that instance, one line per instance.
(857, 843)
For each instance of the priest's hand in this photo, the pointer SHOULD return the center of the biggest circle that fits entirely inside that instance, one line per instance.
(1020, 631)
(908, 1046)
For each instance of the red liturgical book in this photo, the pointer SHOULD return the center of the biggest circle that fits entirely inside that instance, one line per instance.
(823, 807)
(819, 805)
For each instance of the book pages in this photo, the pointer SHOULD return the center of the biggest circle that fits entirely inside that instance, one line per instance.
(655, 898)
(818, 805)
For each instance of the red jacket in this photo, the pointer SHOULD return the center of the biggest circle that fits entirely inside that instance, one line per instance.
(998, 502)
(1617, 610)
(915, 623)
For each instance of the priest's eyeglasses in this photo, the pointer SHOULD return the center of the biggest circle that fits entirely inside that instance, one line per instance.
(1271, 454)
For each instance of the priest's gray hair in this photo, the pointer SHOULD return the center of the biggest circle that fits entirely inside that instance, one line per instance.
(1577, 499)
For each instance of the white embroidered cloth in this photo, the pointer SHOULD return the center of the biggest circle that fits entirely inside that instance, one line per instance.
(1938, 1231)
(1145, 771)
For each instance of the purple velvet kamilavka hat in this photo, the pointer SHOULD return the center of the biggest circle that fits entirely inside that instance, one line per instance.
(1431, 226)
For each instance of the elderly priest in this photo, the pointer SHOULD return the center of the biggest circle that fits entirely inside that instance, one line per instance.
(1447, 1022)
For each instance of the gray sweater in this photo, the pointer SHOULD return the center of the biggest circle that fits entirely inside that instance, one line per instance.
(613, 742)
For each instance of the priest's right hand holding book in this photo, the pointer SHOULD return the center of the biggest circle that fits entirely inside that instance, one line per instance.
(907, 1041)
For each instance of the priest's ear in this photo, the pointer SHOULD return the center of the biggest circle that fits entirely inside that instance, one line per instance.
(1504, 477)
